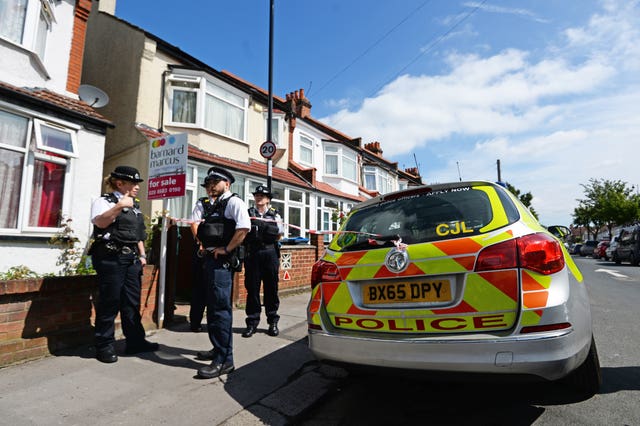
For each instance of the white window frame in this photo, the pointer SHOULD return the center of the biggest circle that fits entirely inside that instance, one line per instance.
(33, 151)
(203, 91)
(331, 151)
(38, 125)
(196, 81)
(381, 177)
(37, 22)
(302, 144)
(276, 129)
(344, 157)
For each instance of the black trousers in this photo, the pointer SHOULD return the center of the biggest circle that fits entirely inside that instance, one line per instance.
(198, 290)
(219, 282)
(119, 284)
(262, 265)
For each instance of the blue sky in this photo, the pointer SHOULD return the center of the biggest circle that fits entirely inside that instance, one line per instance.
(550, 88)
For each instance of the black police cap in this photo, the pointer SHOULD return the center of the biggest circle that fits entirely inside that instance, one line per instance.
(127, 173)
(263, 190)
(217, 173)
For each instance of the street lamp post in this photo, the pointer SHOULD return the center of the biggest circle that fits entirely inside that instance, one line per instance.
(270, 107)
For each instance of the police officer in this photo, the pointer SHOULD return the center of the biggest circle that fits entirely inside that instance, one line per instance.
(198, 289)
(262, 262)
(224, 227)
(118, 256)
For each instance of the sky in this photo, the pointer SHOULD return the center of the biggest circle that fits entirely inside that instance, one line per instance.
(547, 89)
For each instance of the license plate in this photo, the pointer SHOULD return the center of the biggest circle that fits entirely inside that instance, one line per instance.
(422, 291)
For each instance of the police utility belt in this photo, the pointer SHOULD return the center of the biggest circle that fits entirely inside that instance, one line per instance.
(231, 261)
(114, 247)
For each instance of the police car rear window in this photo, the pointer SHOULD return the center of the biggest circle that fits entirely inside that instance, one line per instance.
(428, 216)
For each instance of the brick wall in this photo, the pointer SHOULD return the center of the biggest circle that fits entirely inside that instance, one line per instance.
(43, 316)
(295, 272)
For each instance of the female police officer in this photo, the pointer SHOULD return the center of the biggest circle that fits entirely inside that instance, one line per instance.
(262, 262)
(118, 255)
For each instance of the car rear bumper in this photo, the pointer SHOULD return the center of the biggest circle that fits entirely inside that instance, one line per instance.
(550, 355)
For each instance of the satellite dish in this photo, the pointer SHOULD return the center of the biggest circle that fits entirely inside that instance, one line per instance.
(93, 96)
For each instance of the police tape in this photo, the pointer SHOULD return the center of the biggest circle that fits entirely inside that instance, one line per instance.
(177, 221)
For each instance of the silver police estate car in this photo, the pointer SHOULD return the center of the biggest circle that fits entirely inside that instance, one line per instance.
(456, 277)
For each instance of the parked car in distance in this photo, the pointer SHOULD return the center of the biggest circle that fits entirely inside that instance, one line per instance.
(628, 249)
(600, 251)
(612, 248)
(588, 247)
(575, 248)
(452, 277)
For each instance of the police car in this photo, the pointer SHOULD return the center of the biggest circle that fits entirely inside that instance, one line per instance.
(456, 277)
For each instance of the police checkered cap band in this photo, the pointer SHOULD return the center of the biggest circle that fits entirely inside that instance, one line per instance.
(218, 173)
(127, 173)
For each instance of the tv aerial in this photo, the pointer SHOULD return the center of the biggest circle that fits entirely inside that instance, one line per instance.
(93, 96)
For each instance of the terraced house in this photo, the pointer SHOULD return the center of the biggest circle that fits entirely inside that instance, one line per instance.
(50, 140)
(156, 88)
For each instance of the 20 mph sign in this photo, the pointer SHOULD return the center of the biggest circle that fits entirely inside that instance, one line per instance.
(267, 149)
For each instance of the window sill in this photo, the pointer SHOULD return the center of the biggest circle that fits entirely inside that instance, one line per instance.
(26, 238)
(35, 59)
(205, 130)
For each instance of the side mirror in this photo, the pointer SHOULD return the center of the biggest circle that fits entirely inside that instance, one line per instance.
(559, 231)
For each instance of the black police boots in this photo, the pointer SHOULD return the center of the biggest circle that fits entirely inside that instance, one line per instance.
(250, 330)
(215, 370)
(106, 354)
(273, 329)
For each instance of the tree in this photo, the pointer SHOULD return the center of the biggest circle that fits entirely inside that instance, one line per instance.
(582, 216)
(607, 203)
(524, 198)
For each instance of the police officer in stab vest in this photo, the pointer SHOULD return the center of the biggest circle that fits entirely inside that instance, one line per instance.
(225, 225)
(198, 288)
(118, 256)
(262, 262)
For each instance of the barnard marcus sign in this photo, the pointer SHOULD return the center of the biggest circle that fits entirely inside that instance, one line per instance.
(167, 167)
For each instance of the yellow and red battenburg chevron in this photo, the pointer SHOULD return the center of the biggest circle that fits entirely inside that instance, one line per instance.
(488, 300)
(482, 301)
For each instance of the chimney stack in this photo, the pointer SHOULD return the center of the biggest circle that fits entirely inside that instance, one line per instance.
(412, 171)
(374, 147)
(298, 104)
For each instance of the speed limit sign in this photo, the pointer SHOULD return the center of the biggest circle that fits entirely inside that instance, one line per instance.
(267, 149)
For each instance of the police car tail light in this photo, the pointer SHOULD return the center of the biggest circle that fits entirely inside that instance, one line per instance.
(323, 271)
(537, 252)
(498, 256)
(540, 253)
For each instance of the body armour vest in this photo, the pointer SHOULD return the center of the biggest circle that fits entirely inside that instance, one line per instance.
(215, 230)
(128, 228)
(263, 231)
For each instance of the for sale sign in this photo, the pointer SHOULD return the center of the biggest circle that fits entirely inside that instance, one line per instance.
(167, 167)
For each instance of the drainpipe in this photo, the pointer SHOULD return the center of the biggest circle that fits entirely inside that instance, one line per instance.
(162, 86)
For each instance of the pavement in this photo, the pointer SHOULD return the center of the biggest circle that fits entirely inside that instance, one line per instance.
(276, 380)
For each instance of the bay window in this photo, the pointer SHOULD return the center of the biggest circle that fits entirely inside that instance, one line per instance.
(376, 179)
(340, 161)
(196, 101)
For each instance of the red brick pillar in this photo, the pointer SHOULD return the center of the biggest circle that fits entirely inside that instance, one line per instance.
(317, 240)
